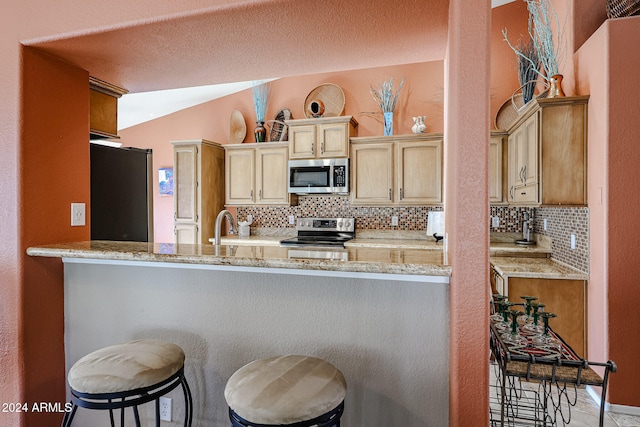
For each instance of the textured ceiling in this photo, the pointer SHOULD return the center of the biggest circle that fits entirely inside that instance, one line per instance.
(261, 39)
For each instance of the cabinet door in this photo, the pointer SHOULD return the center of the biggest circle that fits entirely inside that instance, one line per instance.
(185, 161)
(333, 140)
(523, 163)
(565, 298)
(372, 174)
(530, 147)
(239, 176)
(419, 172)
(302, 141)
(272, 176)
(495, 169)
(186, 233)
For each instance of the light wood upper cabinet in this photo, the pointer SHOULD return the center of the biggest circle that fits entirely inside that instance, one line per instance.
(240, 173)
(419, 172)
(185, 164)
(496, 168)
(103, 108)
(272, 175)
(396, 170)
(257, 174)
(372, 173)
(547, 153)
(198, 189)
(326, 137)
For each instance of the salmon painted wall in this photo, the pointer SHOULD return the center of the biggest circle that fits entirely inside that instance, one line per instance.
(55, 172)
(421, 94)
(504, 65)
(592, 71)
(466, 207)
(613, 152)
(622, 211)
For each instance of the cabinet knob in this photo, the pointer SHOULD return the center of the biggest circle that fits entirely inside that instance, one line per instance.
(260, 194)
(389, 194)
(322, 148)
(401, 194)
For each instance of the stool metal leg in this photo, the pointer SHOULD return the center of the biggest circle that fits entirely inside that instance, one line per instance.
(188, 403)
(68, 416)
(158, 412)
(136, 415)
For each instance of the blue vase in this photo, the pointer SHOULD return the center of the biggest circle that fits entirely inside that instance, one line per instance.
(388, 123)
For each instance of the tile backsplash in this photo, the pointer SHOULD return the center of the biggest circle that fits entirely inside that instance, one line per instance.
(411, 218)
(561, 221)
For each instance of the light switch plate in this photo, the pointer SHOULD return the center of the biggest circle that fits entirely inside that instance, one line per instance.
(78, 217)
(394, 221)
(495, 221)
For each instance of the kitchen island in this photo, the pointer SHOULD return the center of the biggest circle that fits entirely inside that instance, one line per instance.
(381, 316)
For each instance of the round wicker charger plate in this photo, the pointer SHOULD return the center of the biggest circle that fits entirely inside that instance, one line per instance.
(237, 128)
(331, 96)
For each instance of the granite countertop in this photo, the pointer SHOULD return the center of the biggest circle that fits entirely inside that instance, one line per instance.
(536, 268)
(503, 245)
(358, 259)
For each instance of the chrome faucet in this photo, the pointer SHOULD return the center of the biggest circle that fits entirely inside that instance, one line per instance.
(526, 233)
(232, 230)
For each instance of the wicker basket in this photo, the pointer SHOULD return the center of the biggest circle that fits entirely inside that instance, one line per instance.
(622, 8)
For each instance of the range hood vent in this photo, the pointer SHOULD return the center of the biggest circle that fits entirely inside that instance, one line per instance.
(103, 109)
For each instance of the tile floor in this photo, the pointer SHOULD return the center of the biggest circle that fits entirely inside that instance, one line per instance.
(585, 412)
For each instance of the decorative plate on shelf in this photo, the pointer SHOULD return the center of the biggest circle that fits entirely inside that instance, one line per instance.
(331, 96)
(237, 128)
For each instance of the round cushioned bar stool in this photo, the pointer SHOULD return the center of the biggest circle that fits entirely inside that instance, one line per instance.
(127, 375)
(298, 391)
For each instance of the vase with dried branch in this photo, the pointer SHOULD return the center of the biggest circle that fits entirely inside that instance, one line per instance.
(387, 99)
(260, 93)
(527, 75)
(550, 51)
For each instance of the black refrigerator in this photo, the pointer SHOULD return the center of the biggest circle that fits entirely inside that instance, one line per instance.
(121, 194)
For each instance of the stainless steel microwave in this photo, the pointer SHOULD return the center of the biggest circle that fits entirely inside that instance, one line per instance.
(319, 176)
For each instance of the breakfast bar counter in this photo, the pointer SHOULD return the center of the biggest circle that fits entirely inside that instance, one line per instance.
(351, 260)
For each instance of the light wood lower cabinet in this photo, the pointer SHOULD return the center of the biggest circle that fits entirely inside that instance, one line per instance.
(198, 189)
(396, 170)
(566, 298)
(257, 174)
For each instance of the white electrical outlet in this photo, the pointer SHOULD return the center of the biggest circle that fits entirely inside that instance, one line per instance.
(394, 221)
(78, 214)
(544, 224)
(495, 221)
(292, 219)
(165, 409)
(573, 241)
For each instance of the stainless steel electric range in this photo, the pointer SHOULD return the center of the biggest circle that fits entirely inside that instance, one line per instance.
(322, 238)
